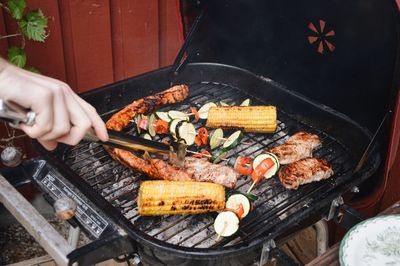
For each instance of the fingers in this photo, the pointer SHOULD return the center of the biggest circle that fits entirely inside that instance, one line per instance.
(61, 116)
(48, 144)
(42, 105)
(80, 122)
(61, 123)
(96, 121)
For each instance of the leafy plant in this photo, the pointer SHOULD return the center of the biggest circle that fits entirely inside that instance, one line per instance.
(31, 24)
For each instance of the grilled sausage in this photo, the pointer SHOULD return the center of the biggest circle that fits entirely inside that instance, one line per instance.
(146, 105)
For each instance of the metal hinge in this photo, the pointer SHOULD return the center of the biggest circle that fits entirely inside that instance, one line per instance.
(265, 252)
(337, 202)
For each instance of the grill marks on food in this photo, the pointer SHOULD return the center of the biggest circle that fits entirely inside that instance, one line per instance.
(304, 171)
(194, 170)
(205, 171)
(162, 198)
(147, 104)
(297, 147)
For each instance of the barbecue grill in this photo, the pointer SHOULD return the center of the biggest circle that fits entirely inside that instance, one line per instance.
(290, 71)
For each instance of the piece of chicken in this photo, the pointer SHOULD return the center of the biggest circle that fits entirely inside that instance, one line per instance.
(304, 171)
(297, 147)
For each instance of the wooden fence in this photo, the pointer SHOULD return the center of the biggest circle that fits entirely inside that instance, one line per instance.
(96, 42)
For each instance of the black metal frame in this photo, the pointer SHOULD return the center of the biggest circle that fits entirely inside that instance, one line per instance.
(345, 131)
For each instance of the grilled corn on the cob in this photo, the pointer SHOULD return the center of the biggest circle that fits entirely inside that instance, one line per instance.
(179, 197)
(255, 119)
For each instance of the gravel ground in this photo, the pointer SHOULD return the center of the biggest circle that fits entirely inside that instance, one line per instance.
(17, 245)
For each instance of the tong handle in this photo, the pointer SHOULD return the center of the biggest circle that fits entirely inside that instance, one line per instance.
(15, 115)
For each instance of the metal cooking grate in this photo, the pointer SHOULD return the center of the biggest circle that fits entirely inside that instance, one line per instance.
(119, 185)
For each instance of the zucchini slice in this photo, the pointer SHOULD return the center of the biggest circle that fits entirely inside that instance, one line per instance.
(163, 116)
(203, 111)
(151, 125)
(226, 223)
(233, 140)
(187, 132)
(178, 115)
(221, 103)
(246, 102)
(146, 136)
(273, 170)
(172, 127)
(216, 138)
(218, 155)
(234, 202)
(250, 196)
(146, 154)
(276, 159)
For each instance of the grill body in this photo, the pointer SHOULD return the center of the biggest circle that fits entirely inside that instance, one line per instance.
(178, 239)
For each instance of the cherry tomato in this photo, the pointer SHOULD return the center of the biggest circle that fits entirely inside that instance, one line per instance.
(244, 165)
(161, 127)
(202, 137)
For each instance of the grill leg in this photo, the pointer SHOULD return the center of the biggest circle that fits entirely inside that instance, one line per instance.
(321, 228)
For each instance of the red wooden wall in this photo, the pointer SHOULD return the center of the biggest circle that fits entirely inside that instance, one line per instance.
(96, 42)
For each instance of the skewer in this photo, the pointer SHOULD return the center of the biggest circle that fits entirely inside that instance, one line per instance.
(251, 187)
(223, 229)
(243, 142)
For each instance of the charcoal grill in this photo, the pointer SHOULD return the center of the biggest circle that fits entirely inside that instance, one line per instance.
(113, 187)
(106, 191)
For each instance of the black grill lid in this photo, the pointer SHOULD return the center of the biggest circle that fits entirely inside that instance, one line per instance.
(352, 70)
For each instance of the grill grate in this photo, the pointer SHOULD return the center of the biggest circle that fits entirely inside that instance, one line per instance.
(119, 185)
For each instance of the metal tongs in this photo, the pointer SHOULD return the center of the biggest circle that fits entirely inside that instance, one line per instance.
(15, 115)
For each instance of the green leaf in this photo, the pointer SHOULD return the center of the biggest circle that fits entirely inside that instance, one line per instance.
(32, 69)
(17, 56)
(16, 8)
(33, 25)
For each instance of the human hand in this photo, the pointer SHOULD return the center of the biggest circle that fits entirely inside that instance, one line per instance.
(61, 115)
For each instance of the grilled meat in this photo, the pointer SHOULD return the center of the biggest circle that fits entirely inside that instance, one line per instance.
(195, 169)
(297, 147)
(304, 138)
(304, 171)
(205, 171)
(147, 104)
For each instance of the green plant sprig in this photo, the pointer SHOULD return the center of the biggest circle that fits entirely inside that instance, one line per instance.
(31, 24)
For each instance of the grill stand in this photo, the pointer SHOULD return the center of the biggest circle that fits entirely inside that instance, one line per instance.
(34, 223)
